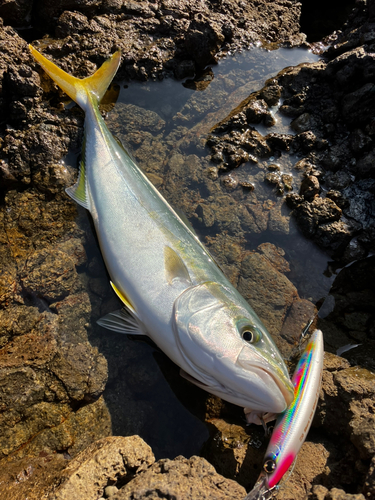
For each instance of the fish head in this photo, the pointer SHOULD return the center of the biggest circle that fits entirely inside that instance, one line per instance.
(228, 351)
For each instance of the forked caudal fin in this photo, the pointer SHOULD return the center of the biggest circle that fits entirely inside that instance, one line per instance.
(87, 92)
(79, 89)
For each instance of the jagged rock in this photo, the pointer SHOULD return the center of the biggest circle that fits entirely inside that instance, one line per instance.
(109, 460)
(181, 478)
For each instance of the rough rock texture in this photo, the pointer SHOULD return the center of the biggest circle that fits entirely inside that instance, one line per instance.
(52, 378)
(311, 157)
(160, 36)
(31, 477)
(181, 478)
(107, 461)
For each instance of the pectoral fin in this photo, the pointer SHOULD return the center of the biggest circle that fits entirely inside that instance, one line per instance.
(122, 322)
(174, 266)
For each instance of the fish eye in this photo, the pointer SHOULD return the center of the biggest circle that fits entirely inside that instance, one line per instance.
(247, 335)
(250, 334)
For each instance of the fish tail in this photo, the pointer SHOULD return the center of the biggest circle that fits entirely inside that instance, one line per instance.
(82, 91)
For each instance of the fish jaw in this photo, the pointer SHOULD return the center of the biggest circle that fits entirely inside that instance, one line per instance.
(272, 376)
(208, 335)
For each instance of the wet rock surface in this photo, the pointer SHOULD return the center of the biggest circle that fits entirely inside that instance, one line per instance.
(252, 173)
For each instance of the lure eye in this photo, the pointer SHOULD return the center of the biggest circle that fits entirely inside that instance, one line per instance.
(269, 466)
(250, 334)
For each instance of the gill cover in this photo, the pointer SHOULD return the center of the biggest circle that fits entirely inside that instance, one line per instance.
(200, 326)
(227, 349)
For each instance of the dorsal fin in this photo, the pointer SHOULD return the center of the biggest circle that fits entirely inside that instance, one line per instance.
(174, 266)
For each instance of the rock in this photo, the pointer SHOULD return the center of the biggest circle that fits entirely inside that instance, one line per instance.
(268, 291)
(50, 275)
(310, 187)
(181, 478)
(72, 364)
(300, 313)
(235, 451)
(337, 180)
(275, 255)
(202, 42)
(359, 141)
(279, 142)
(229, 182)
(359, 106)
(369, 486)
(271, 93)
(185, 69)
(31, 477)
(302, 123)
(106, 461)
(338, 494)
(322, 493)
(256, 111)
(347, 399)
(320, 211)
(110, 491)
(305, 141)
(338, 198)
(363, 436)
(334, 236)
(365, 166)
(361, 201)
(16, 12)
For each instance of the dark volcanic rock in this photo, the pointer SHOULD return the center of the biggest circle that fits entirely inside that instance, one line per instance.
(157, 37)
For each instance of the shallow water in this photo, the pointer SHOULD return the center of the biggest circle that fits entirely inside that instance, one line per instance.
(165, 126)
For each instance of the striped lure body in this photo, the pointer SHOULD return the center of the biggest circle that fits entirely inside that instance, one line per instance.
(292, 426)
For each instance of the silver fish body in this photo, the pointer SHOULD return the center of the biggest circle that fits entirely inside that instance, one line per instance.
(168, 282)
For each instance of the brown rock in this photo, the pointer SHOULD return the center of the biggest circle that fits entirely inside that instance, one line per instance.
(181, 478)
(310, 187)
(298, 316)
(268, 291)
(31, 477)
(106, 461)
(235, 451)
(275, 255)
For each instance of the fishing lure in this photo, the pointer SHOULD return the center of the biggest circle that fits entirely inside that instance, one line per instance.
(292, 426)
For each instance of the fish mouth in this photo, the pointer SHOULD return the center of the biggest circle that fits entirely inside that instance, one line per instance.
(272, 378)
(285, 386)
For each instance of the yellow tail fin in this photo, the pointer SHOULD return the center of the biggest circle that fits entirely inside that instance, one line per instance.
(77, 88)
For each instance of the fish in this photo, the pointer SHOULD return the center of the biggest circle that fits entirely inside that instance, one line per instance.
(293, 425)
(170, 287)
